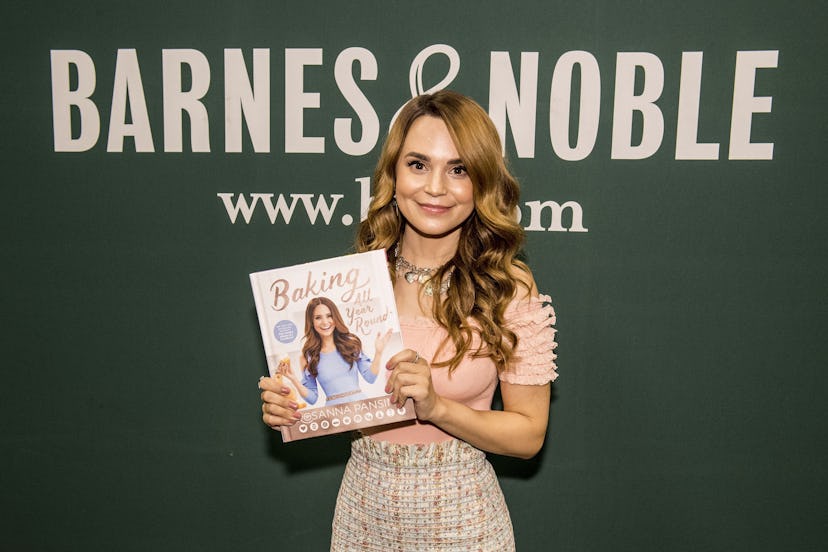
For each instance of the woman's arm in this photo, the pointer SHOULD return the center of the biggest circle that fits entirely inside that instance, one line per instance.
(371, 368)
(308, 387)
(379, 346)
(303, 391)
(518, 430)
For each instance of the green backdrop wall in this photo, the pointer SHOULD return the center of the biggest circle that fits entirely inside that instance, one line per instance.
(146, 147)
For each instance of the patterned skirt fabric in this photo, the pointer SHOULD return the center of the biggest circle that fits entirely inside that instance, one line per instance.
(440, 497)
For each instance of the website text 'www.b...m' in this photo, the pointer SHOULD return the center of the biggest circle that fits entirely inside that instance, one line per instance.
(320, 209)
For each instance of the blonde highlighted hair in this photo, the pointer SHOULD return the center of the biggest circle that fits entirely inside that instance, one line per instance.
(486, 265)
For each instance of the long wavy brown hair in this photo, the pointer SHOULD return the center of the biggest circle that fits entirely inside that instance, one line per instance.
(347, 344)
(486, 263)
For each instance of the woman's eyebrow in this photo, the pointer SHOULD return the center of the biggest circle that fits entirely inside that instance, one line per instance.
(420, 156)
(424, 157)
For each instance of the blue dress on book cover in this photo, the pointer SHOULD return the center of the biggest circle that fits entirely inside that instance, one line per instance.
(339, 380)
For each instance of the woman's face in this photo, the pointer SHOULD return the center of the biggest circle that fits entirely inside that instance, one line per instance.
(323, 321)
(433, 189)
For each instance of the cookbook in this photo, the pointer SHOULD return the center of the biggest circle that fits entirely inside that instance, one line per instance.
(328, 328)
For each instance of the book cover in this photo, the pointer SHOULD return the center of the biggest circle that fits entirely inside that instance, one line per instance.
(328, 328)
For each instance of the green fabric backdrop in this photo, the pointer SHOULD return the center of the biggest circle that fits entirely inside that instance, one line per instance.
(689, 414)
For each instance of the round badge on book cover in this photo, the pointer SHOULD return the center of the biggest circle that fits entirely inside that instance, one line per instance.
(285, 331)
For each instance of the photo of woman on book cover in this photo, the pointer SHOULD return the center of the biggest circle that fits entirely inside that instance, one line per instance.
(332, 357)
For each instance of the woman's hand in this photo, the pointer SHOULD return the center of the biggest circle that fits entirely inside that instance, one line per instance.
(286, 372)
(381, 342)
(284, 369)
(379, 347)
(277, 408)
(410, 377)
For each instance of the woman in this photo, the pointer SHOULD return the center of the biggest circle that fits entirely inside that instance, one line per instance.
(444, 210)
(330, 354)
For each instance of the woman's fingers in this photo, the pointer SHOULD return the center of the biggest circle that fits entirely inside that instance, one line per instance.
(275, 415)
(410, 377)
(277, 420)
(271, 384)
(277, 408)
(409, 380)
(406, 355)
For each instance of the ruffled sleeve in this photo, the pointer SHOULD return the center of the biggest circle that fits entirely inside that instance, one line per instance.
(533, 362)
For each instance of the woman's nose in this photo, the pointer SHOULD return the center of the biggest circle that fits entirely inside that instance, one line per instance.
(436, 184)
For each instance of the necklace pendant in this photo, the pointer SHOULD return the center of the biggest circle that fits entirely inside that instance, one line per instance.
(410, 277)
(423, 278)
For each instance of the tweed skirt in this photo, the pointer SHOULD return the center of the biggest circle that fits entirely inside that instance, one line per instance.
(439, 497)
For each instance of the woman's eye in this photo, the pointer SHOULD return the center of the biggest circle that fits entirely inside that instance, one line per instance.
(459, 170)
(418, 165)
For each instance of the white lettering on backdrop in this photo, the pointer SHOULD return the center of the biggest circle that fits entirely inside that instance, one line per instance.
(513, 101)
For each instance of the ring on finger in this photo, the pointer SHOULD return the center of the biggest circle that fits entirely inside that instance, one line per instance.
(416, 357)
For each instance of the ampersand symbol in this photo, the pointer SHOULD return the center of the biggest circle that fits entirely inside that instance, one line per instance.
(415, 74)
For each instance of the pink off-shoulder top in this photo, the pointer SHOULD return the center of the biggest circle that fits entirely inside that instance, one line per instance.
(474, 381)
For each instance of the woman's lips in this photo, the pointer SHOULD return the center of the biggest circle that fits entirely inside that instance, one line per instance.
(434, 209)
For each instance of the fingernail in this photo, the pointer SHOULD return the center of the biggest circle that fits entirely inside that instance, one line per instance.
(297, 415)
(293, 405)
(285, 390)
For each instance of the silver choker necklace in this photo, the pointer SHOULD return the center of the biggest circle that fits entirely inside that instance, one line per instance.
(413, 273)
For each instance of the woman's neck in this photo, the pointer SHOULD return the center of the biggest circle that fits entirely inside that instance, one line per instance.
(428, 252)
(328, 344)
